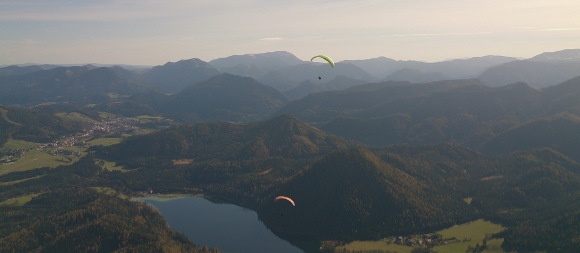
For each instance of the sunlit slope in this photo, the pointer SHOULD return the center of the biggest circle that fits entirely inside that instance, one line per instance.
(78, 219)
(26, 124)
(283, 136)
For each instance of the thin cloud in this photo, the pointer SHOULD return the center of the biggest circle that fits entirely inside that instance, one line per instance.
(433, 34)
(271, 39)
(559, 29)
(524, 27)
(87, 11)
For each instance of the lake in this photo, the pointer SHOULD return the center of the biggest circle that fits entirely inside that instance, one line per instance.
(230, 228)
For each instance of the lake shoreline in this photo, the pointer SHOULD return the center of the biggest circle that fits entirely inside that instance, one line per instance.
(227, 226)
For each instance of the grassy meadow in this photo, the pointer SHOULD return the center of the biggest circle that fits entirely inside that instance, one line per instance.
(18, 181)
(18, 144)
(34, 159)
(109, 191)
(468, 234)
(104, 141)
(37, 158)
(110, 166)
(75, 116)
(386, 245)
(20, 201)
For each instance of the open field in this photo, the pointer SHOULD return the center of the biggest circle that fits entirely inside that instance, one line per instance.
(104, 141)
(468, 200)
(18, 181)
(34, 159)
(37, 158)
(110, 166)
(109, 191)
(385, 245)
(468, 234)
(142, 131)
(147, 118)
(75, 116)
(20, 201)
(18, 144)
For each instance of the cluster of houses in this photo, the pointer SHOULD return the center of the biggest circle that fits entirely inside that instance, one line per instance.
(78, 139)
(424, 240)
(111, 125)
(8, 156)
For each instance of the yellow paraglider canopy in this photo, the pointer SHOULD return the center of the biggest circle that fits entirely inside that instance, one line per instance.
(326, 58)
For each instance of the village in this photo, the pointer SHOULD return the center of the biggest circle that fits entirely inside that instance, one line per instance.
(425, 240)
(57, 147)
(412, 241)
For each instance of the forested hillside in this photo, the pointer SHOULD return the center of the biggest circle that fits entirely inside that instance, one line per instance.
(357, 193)
(361, 159)
(460, 111)
(28, 125)
(65, 215)
(283, 136)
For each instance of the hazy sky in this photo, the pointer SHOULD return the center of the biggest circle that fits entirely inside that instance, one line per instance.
(153, 32)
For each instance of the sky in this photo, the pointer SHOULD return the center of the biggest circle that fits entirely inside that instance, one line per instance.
(153, 32)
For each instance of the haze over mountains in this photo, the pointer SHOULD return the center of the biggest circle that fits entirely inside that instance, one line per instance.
(346, 101)
(385, 147)
(284, 71)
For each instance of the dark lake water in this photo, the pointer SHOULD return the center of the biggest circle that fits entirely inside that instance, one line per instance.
(230, 228)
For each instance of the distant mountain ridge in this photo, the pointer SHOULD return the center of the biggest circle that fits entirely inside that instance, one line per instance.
(544, 70)
(174, 76)
(17, 70)
(284, 71)
(381, 67)
(415, 76)
(293, 76)
(461, 111)
(255, 65)
(224, 97)
(568, 55)
(537, 74)
(311, 86)
(86, 84)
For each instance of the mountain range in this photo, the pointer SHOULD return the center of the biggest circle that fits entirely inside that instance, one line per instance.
(224, 97)
(284, 71)
(367, 149)
(172, 77)
(347, 191)
(83, 84)
(464, 111)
